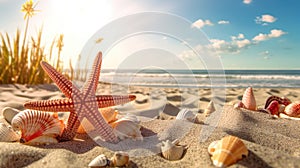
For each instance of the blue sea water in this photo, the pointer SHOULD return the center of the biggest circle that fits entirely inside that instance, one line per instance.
(204, 78)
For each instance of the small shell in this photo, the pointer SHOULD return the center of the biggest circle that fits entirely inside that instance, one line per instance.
(100, 161)
(273, 108)
(227, 151)
(281, 108)
(281, 100)
(293, 109)
(171, 150)
(9, 113)
(120, 159)
(109, 114)
(7, 134)
(248, 99)
(212, 147)
(127, 127)
(33, 124)
(239, 105)
(185, 114)
(210, 108)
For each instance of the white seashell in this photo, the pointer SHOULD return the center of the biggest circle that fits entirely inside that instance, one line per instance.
(210, 108)
(7, 134)
(248, 99)
(33, 124)
(100, 161)
(42, 140)
(212, 146)
(127, 127)
(171, 150)
(9, 113)
(282, 115)
(185, 114)
(120, 159)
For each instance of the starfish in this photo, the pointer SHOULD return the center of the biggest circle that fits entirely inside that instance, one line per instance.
(81, 103)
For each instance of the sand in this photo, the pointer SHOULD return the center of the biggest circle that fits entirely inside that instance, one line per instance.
(271, 142)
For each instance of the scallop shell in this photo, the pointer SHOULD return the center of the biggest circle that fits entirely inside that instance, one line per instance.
(248, 99)
(227, 151)
(100, 161)
(127, 127)
(33, 124)
(273, 108)
(7, 134)
(210, 108)
(281, 100)
(120, 159)
(9, 113)
(185, 114)
(293, 109)
(171, 150)
(42, 140)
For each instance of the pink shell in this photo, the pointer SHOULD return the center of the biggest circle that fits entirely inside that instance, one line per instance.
(273, 107)
(293, 109)
(248, 99)
(281, 100)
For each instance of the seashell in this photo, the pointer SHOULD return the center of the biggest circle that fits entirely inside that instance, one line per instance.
(281, 100)
(109, 114)
(127, 127)
(248, 99)
(210, 108)
(8, 113)
(42, 140)
(100, 161)
(185, 114)
(7, 134)
(281, 108)
(120, 159)
(239, 105)
(171, 150)
(85, 127)
(273, 108)
(34, 124)
(282, 115)
(293, 109)
(227, 151)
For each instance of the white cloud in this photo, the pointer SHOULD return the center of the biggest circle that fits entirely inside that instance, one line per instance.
(223, 22)
(275, 33)
(201, 23)
(239, 36)
(234, 46)
(265, 19)
(247, 1)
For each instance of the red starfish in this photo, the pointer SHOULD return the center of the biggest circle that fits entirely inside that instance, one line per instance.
(81, 103)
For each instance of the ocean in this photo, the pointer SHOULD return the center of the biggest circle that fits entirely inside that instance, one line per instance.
(204, 78)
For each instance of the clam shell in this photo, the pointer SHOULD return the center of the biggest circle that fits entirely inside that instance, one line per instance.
(99, 161)
(7, 134)
(185, 114)
(171, 150)
(227, 151)
(127, 127)
(293, 109)
(248, 99)
(281, 100)
(273, 107)
(120, 159)
(210, 108)
(33, 124)
(9, 113)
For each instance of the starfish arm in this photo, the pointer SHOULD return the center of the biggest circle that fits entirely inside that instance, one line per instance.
(62, 82)
(72, 127)
(113, 100)
(54, 105)
(92, 83)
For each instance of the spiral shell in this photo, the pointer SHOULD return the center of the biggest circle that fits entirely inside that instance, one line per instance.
(127, 127)
(227, 151)
(210, 108)
(100, 161)
(248, 99)
(171, 150)
(293, 109)
(34, 124)
(7, 134)
(120, 159)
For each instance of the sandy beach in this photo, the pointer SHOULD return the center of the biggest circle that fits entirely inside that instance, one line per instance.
(271, 142)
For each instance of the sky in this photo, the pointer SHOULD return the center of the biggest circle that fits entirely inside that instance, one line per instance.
(237, 34)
